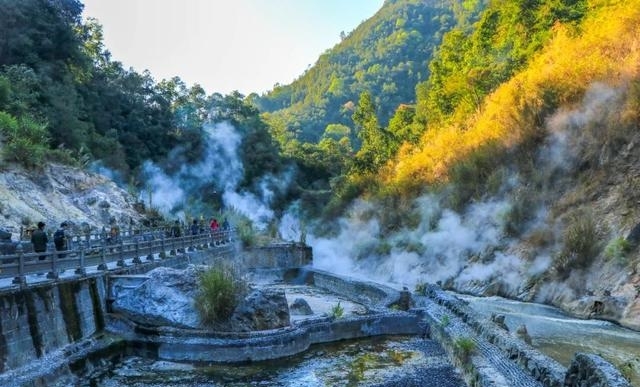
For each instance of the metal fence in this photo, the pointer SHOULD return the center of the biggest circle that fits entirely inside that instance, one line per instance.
(99, 250)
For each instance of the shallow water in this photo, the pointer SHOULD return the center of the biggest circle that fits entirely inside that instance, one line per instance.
(560, 336)
(397, 360)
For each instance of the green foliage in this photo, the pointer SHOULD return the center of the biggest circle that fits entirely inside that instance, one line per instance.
(488, 45)
(387, 55)
(421, 289)
(464, 347)
(476, 175)
(378, 144)
(337, 311)
(25, 141)
(579, 245)
(218, 294)
(246, 233)
(445, 320)
(617, 249)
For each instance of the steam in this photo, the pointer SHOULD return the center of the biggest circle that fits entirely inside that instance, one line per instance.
(440, 249)
(469, 250)
(218, 174)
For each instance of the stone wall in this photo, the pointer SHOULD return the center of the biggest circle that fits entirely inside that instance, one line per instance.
(277, 256)
(593, 371)
(585, 371)
(47, 319)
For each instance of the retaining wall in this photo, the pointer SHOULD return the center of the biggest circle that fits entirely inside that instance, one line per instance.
(585, 371)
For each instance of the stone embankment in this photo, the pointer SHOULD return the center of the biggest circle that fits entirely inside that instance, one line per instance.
(490, 356)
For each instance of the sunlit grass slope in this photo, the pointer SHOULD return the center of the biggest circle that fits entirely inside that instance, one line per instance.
(604, 49)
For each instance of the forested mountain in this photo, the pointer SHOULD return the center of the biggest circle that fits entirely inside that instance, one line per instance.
(387, 55)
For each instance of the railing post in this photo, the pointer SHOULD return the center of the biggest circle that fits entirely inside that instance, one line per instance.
(103, 260)
(121, 262)
(174, 249)
(53, 274)
(163, 250)
(151, 245)
(81, 270)
(136, 258)
(20, 279)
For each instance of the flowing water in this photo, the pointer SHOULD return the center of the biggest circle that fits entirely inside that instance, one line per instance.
(560, 336)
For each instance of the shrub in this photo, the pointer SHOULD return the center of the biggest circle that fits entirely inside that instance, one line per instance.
(464, 347)
(476, 175)
(580, 244)
(337, 311)
(26, 141)
(218, 294)
(246, 233)
(617, 249)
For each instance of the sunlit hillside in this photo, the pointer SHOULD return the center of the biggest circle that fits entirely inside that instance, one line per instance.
(604, 49)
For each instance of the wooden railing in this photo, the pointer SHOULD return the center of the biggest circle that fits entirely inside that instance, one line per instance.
(98, 250)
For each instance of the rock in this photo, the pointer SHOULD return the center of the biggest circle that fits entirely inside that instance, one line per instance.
(523, 334)
(603, 307)
(498, 319)
(5, 236)
(405, 302)
(300, 307)
(165, 299)
(262, 309)
(634, 235)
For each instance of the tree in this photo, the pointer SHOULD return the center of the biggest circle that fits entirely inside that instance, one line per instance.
(377, 143)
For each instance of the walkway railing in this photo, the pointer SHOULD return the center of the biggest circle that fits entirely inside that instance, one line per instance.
(93, 250)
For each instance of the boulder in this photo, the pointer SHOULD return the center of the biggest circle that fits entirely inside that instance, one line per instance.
(262, 309)
(523, 334)
(300, 307)
(166, 298)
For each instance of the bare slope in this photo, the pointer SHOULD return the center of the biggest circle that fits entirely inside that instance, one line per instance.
(62, 193)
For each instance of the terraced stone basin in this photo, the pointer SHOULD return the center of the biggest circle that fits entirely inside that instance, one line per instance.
(369, 344)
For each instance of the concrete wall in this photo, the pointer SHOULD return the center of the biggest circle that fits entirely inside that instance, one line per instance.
(40, 319)
(277, 256)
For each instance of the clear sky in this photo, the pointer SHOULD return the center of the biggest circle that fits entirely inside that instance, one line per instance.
(225, 45)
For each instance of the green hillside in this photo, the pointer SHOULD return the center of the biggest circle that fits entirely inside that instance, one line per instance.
(387, 55)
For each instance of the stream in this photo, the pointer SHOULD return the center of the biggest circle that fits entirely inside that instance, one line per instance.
(560, 336)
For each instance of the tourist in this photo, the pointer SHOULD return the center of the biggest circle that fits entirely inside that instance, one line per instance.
(175, 230)
(214, 225)
(195, 229)
(60, 239)
(39, 240)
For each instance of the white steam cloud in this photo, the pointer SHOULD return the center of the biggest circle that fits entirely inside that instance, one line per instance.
(220, 167)
(468, 250)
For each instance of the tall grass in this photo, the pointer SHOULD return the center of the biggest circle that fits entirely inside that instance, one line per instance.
(220, 290)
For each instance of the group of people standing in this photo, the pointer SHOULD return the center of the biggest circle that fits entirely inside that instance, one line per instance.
(214, 226)
(40, 239)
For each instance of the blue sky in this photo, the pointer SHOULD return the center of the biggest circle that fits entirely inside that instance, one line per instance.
(226, 45)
